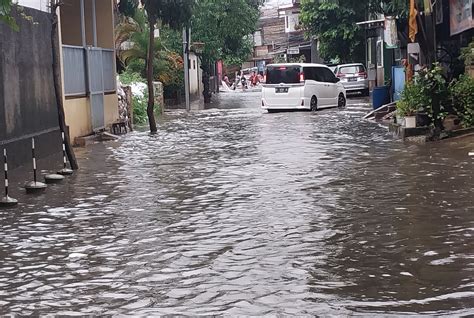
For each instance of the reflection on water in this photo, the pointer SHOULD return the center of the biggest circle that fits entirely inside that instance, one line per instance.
(234, 211)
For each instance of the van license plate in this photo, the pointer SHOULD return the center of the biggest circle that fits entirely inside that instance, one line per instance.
(281, 90)
(352, 79)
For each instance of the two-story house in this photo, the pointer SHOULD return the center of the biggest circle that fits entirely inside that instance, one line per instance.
(279, 36)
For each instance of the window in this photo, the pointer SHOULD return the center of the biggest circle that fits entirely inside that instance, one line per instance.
(257, 38)
(309, 73)
(194, 64)
(353, 69)
(313, 73)
(379, 54)
(283, 74)
(326, 75)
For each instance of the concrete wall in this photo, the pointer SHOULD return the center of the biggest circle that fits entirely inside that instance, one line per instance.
(27, 98)
(111, 112)
(195, 77)
(78, 117)
(78, 114)
(105, 24)
(71, 23)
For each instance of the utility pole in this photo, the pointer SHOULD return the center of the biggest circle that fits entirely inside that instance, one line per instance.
(186, 32)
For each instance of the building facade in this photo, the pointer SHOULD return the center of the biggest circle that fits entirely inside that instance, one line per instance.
(88, 65)
(280, 37)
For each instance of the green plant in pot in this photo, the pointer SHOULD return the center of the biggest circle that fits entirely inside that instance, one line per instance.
(411, 101)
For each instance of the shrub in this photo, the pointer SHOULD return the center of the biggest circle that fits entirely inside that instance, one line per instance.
(139, 109)
(434, 89)
(412, 100)
(467, 54)
(128, 77)
(462, 94)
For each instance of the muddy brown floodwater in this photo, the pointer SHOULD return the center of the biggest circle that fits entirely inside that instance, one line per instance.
(232, 211)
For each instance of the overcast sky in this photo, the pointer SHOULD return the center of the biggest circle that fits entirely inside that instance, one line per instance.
(37, 4)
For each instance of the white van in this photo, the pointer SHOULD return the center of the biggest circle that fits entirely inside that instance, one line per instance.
(301, 86)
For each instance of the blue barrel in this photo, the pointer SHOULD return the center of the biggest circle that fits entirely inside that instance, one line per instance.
(380, 96)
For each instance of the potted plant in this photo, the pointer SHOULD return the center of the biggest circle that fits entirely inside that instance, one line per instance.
(406, 113)
(412, 99)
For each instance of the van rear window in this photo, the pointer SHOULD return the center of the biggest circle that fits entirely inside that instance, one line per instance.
(352, 69)
(283, 74)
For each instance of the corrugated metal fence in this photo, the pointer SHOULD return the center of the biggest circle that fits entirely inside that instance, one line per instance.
(101, 75)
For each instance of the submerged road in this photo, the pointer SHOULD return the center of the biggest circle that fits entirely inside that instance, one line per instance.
(229, 210)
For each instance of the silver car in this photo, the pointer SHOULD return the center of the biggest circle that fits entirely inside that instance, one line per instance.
(354, 77)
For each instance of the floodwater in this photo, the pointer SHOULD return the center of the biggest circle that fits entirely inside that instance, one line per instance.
(229, 210)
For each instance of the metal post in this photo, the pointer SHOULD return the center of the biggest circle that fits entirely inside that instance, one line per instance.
(34, 186)
(6, 171)
(186, 66)
(83, 27)
(94, 23)
(6, 201)
(64, 152)
(34, 158)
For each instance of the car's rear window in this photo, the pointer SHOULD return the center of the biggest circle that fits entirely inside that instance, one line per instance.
(352, 69)
(283, 74)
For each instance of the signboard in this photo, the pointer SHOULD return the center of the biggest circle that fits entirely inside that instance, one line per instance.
(390, 33)
(293, 50)
(460, 16)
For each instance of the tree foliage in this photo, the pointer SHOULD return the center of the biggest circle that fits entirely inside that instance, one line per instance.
(389, 7)
(128, 7)
(6, 7)
(334, 24)
(174, 13)
(223, 25)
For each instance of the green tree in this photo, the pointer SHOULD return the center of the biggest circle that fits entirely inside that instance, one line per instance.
(174, 13)
(224, 26)
(6, 7)
(128, 7)
(389, 7)
(334, 24)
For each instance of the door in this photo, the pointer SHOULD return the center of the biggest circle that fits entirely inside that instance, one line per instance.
(324, 99)
(330, 84)
(96, 88)
(284, 88)
(311, 86)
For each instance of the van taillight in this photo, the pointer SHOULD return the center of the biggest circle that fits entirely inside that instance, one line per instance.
(340, 75)
(264, 78)
(301, 77)
(363, 74)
